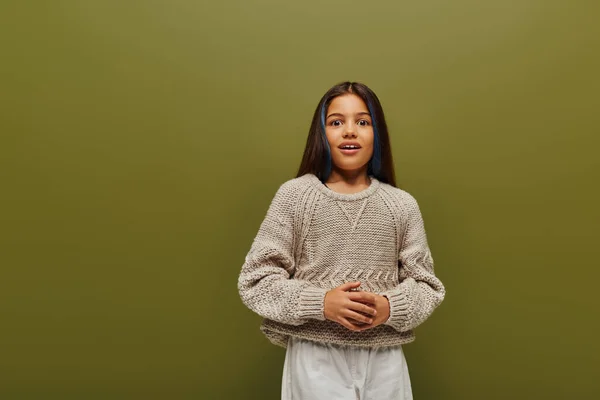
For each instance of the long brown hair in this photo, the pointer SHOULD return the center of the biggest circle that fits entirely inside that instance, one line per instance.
(317, 154)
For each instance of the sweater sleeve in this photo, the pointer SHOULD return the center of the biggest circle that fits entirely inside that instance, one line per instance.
(419, 291)
(266, 284)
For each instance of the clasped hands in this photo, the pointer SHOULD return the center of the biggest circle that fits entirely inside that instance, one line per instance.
(357, 311)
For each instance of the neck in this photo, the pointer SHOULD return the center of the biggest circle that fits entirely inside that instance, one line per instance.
(350, 178)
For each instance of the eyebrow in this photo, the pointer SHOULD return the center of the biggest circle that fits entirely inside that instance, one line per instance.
(341, 115)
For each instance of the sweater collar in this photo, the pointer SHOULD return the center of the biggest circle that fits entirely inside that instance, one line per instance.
(316, 182)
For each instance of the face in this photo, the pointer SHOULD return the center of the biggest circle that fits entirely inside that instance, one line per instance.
(348, 122)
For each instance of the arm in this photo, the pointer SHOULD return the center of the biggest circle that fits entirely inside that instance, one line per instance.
(265, 284)
(419, 291)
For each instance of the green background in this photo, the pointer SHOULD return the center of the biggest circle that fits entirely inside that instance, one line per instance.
(142, 141)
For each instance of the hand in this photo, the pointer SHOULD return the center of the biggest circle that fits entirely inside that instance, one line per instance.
(382, 306)
(350, 308)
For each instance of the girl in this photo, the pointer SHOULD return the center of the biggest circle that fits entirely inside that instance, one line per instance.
(340, 269)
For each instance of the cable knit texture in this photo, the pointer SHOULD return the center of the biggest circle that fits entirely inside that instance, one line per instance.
(314, 239)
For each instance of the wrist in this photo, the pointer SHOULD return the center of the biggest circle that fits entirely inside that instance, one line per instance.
(388, 308)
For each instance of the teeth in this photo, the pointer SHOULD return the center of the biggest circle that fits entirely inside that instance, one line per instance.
(350, 147)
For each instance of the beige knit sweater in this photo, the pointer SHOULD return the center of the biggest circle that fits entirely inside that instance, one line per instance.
(314, 239)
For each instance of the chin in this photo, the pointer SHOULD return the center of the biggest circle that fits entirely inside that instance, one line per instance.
(352, 167)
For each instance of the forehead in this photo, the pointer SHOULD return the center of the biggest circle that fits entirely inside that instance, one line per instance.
(347, 104)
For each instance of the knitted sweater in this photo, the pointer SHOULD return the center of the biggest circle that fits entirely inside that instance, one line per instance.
(314, 239)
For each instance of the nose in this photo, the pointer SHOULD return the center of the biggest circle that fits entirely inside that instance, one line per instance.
(350, 130)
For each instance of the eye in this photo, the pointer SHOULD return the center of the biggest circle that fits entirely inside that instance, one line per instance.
(363, 122)
(335, 122)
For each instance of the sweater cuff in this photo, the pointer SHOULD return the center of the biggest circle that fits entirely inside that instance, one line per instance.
(399, 308)
(311, 305)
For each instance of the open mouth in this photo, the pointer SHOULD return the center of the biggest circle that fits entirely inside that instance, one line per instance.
(349, 149)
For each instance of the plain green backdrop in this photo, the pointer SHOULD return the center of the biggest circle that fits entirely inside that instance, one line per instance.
(142, 141)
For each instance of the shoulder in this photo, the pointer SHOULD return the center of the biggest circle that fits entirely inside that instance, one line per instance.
(405, 204)
(292, 189)
(296, 185)
(400, 197)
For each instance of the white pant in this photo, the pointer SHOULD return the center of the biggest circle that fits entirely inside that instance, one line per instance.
(320, 371)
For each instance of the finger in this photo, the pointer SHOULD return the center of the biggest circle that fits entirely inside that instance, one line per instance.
(363, 297)
(358, 317)
(355, 322)
(349, 285)
(343, 321)
(363, 308)
(364, 327)
(359, 326)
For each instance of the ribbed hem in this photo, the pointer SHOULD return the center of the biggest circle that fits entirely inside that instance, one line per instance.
(312, 303)
(331, 332)
(399, 308)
